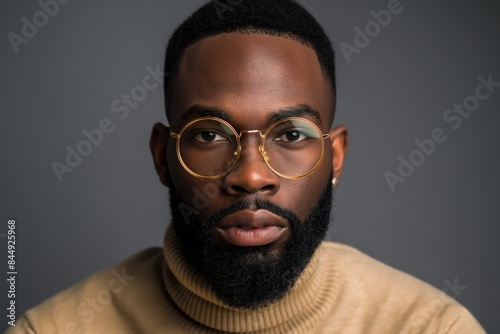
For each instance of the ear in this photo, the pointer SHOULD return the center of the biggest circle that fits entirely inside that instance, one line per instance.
(158, 145)
(340, 141)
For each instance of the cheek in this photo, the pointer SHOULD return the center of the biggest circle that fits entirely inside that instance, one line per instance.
(303, 195)
(309, 190)
(178, 175)
(198, 194)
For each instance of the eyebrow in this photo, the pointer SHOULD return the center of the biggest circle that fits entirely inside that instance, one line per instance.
(202, 111)
(300, 110)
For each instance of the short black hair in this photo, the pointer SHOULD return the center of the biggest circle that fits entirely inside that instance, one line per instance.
(284, 18)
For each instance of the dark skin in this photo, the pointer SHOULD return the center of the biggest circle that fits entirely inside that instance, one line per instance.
(250, 78)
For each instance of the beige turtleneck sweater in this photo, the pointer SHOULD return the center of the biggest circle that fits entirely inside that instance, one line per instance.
(341, 291)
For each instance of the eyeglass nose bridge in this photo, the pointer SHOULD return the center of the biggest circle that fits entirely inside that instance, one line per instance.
(262, 152)
(250, 132)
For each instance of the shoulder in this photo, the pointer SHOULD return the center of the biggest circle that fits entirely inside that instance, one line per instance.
(366, 271)
(80, 307)
(390, 298)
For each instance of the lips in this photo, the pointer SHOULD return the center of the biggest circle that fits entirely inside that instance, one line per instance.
(247, 228)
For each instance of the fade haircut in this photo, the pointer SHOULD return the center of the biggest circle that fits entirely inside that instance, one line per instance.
(283, 18)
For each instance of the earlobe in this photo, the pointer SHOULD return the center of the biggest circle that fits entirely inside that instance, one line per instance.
(158, 144)
(340, 142)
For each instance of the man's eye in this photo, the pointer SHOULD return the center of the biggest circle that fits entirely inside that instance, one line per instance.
(292, 136)
(209, 136)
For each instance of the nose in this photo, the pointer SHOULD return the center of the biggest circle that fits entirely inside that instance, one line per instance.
(251, 175)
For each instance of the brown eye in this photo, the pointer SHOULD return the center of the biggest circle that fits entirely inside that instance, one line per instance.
(209, 136)
(292, 135)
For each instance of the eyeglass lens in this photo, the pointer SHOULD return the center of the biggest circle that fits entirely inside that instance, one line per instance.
(292, 147)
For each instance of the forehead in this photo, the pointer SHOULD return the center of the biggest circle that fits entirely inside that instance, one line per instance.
(249, 77)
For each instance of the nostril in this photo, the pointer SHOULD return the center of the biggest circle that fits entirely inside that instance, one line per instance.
(244, 186)
(269, 187)
(239, 189)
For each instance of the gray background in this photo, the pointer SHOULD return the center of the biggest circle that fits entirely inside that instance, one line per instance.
(440, 224)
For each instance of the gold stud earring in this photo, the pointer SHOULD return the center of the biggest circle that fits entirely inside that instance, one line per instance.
(335, 182)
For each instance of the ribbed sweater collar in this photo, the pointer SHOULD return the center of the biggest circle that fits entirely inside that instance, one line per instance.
(310, 300)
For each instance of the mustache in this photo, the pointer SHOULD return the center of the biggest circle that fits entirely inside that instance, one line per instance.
(258, 203)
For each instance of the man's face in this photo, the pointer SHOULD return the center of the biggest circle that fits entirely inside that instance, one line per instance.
(251, 80)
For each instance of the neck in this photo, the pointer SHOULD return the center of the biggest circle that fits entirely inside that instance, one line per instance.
(193, 295)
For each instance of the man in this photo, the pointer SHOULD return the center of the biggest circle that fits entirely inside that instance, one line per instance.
(251, 164)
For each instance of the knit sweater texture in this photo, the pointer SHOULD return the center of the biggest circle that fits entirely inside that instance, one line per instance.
(156, 291)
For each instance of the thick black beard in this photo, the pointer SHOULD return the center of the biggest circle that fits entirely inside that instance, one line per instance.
(251, 277)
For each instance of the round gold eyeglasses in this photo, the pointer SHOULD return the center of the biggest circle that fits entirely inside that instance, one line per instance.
(209, 147)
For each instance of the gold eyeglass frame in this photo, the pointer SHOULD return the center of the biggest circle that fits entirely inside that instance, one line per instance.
(237, 153)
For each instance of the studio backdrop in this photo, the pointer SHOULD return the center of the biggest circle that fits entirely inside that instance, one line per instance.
(418, 87)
